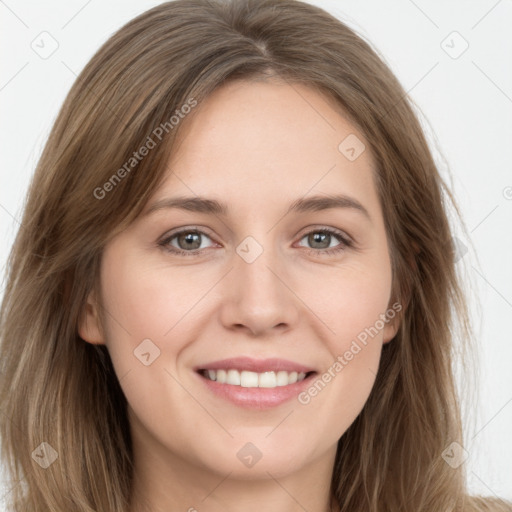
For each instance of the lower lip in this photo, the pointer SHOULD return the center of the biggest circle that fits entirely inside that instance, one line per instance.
(257, 398)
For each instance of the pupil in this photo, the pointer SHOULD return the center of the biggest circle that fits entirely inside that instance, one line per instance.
(319, 237)
(190, 239)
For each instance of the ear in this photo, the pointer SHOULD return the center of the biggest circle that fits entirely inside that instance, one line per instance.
(396, 311)
(89, 324)
(394, 314)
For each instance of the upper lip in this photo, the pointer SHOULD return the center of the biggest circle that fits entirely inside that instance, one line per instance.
(256, 365)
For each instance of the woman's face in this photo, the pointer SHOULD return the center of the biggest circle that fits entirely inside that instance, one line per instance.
(254, 290)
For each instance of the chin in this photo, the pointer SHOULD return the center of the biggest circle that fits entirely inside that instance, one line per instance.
(256, 457)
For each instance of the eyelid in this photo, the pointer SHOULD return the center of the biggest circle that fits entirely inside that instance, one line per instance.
(346, 241)
(322, 227)
(165, 239)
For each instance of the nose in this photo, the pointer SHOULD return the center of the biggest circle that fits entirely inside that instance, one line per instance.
(258, 296)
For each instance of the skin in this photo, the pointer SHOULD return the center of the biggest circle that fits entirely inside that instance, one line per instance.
(256, 146)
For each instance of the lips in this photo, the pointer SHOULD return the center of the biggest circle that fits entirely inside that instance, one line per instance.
(255, 383)
(256, 365)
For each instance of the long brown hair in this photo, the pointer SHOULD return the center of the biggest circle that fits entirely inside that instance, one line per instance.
(65, 433)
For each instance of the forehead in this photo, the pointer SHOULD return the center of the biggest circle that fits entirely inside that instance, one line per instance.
(282, 139)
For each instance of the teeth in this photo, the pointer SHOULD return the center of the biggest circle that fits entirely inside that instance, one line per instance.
(283, 378)
(248, 379)
(233, 378)
(267, 380)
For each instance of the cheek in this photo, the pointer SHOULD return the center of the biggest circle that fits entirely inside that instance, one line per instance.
(139, 312)
(352, 304)
(358, 301)
(135, 305)
(357, 317)
(149, 319)
(144, 301)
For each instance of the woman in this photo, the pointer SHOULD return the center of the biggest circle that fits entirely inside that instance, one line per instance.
(259, 369)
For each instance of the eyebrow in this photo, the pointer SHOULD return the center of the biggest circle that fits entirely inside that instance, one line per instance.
(302, 205)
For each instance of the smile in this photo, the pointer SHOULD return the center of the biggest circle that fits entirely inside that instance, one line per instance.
(248, 379)
(255, 383)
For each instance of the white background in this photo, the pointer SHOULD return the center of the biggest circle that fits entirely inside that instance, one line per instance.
(466, 105)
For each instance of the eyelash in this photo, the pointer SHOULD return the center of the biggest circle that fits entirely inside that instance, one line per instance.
(345, 242)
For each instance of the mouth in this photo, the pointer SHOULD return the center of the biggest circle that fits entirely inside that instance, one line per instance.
(250, 379)
(255, 383)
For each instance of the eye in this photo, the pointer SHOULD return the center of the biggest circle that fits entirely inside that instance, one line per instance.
(321, 240)
(189, 242)
(186, 242)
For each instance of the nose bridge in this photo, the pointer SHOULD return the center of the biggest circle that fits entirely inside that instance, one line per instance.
(256, 266)
(258, 297)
